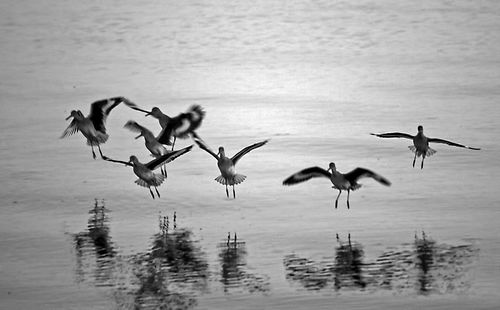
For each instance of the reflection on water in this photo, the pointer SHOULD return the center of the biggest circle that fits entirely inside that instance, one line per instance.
(423, 267)
(232, 254)
(94, 249)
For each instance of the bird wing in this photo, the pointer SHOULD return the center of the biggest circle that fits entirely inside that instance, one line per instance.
(393, 135)
(197, 114)
(359, 173)
(155, 163)
(205, 147)
(134, 126)
(306, 174)
(244, 151)
(437, 140)
(117, 161)
(72, 128)
(99, 110)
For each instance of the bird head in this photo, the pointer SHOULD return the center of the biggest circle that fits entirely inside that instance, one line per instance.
(221, 151)
(420, 128)
(133, 160)
(331, 167)
(74, 113)
(155, 112)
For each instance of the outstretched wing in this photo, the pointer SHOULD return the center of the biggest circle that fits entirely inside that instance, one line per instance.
(155, 163)
(359, 173)
(306, 174)
(72, 128)
(196, 114)
(393, 135)
(99, 110)
(117, 161)
(244, 151)
(204, 146)
(134, 126)
(437, 140)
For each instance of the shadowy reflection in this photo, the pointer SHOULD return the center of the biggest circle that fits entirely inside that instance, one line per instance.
(423, 267)
(232, 257)
(94, 249)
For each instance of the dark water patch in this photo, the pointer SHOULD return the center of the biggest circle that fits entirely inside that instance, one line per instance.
(422, 267)
(234, 274)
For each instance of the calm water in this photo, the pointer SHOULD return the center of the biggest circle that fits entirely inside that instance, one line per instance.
(315, 77)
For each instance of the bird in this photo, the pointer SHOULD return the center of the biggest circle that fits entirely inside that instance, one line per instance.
(421, 143)
(147, 177)
(341, 181)
(227, 165)
(93, 126)
(180, 126)
(156, 148)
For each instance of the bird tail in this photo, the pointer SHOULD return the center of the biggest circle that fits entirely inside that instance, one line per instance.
(428, 153)
(158, 179)
(237, 179)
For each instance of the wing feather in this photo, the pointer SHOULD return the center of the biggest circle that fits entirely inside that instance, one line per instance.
(306, 174)
(437, 140)
(155, 163)
(72, 128)
(359, 173)
(247, 149)
(135, 127)
(204, 146)
(393, 135)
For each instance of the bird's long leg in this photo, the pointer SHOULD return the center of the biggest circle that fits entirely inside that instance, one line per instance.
(227, 191)
(337, 200)
(173, 144)
(422, 164)
(100, 152)
(152, 195)
(348, 192)
(157, 192)
(234, 193)
(414, 159)
(92, 147)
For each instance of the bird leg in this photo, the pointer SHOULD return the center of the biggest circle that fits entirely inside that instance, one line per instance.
(175, 138)
(337, 200)
(414, 158)
(348, 192)
(422, 164)
(234, 193)
(152, 195)
(227, 191)
(99, 147)
(92, 147)
(157, 192)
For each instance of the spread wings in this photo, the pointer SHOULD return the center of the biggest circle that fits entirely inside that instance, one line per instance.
(437, 140)
(306, 174)
(247, 149)
(155, 163)
(359, 173)
(393, 135)
(72, 128)
(99, 110)
(205, 147)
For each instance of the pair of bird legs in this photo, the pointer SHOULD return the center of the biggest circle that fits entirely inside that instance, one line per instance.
(227, 192)
(152, 195)
(93, 153)
(415, 158)
(340, 192)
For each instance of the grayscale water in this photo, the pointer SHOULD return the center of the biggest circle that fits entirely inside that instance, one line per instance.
(314, 77)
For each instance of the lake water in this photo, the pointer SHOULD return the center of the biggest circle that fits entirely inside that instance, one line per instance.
(314, 77)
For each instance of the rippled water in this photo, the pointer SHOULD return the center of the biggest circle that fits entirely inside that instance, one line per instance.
(313, 77)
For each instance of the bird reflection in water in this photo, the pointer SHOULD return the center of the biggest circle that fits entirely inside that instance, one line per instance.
(234, 276)
(94, 249)
(423, 266)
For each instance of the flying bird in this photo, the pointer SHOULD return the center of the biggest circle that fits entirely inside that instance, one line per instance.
(147, 177)
(156, 148)
(93, 126)
(227, 165)
(180, 126)
(421, 143)
(341, 181)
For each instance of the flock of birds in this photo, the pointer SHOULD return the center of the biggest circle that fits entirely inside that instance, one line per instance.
(185, 125)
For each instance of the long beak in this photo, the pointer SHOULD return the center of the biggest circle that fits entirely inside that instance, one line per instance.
(149, 113)
(67, 118)
(139, 136)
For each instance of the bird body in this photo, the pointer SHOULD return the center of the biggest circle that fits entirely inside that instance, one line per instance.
(93, 126)
(227, 166)
(421, 143)
(340, 181)
(147, 177)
